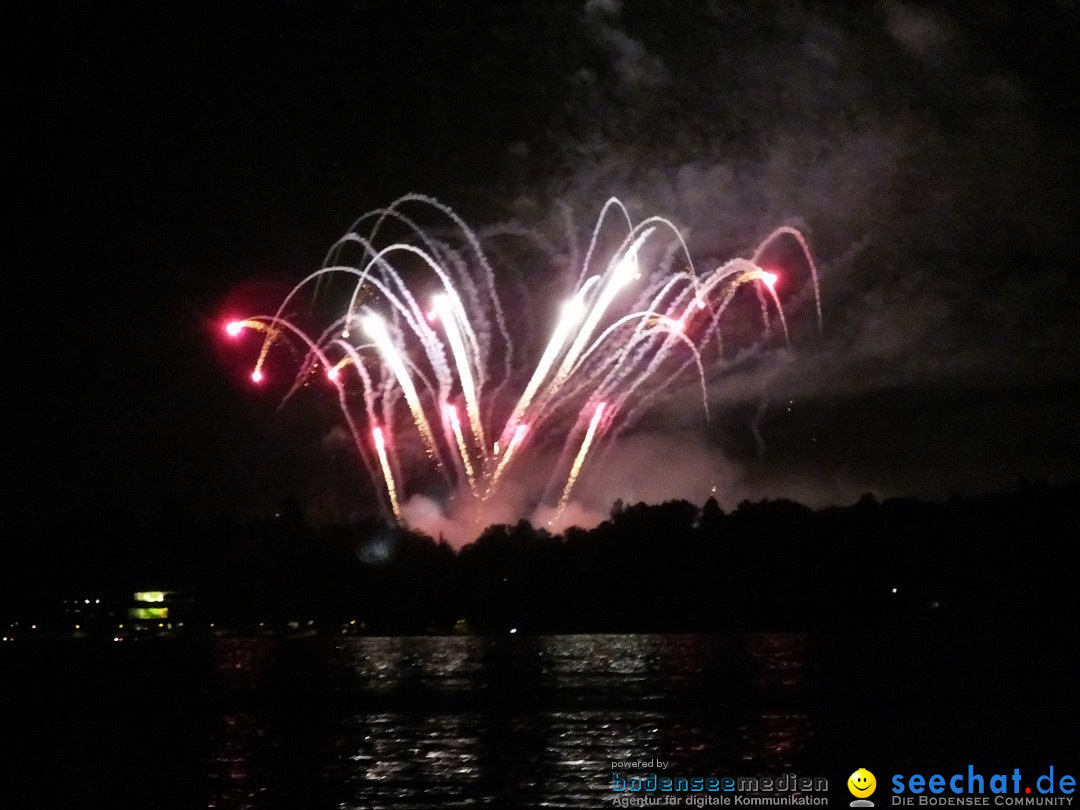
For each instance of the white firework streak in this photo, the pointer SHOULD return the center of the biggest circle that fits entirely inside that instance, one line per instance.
(623, 356)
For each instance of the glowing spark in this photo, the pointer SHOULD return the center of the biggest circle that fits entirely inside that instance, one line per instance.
(622, 274)
(384, 462)
(572, 312)
(455, 427)
(233, 328)
(575, 470)
(468, 384)
(256, 376)
(375, 326)
(770, 279)
(515, 442)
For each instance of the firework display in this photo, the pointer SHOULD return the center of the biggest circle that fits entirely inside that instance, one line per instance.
(429, 374)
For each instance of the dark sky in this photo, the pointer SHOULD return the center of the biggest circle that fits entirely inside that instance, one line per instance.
(172, 162)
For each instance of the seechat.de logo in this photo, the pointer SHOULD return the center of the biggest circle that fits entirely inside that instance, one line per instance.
(862, 785)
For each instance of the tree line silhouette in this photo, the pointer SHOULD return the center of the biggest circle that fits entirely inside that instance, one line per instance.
(671, 567)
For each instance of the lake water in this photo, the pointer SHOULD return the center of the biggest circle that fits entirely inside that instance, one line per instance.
(514, 721)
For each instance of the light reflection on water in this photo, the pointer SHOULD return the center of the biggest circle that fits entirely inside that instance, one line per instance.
(238, 777)
(516, 722)
(413, 722)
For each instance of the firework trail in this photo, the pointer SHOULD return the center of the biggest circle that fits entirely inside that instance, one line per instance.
(438, 341)
(384, 462)
(466, 462)
(575, 469)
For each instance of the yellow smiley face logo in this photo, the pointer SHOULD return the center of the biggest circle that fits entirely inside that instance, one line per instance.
(861, 783)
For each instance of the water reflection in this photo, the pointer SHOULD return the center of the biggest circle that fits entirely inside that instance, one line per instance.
(238, 773)
(515, 721)
(409, 761)
(539, 721)
(775, 736)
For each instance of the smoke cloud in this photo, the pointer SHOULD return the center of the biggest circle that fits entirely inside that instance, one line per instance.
(924, 163)
(926, 166)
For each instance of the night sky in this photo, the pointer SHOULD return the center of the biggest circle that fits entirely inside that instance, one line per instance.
(170, 163)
